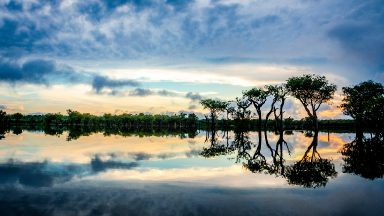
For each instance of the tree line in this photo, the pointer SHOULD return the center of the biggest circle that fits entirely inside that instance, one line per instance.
(363, 102)
(75, 118)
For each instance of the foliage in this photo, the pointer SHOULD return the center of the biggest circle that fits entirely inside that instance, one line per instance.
(311, 91)
(241, 112)
(359, 99)
(215, 107)
(17, 116)
(257, 96)
(365, 103)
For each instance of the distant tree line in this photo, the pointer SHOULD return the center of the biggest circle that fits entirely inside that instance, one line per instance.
(75, 118)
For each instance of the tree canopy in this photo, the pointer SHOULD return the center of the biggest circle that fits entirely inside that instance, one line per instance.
(359, 100)
(214, 105)
(312, 91)
(257, 96)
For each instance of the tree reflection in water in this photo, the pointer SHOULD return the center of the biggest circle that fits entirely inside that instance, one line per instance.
(311, 171)
(364, 157)
(216, 148)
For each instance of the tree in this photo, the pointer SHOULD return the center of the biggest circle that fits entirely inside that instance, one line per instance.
(214, 106)
(279, 94)
(364, 103)
(241, 112)
(17, 117)
(311, 91)
(3, 116)
(257, 97)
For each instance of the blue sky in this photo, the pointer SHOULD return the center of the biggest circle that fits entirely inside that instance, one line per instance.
(163, 55)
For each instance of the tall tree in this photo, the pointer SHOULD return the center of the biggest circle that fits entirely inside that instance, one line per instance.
(258, 97)
(279, 94)
(364, 103)
(241, 112)
(311, 91)
(215, 107)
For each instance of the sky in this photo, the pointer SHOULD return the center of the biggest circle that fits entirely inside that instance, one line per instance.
(163, 56)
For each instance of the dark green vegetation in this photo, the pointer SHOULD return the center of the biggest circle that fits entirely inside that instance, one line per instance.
(365, 104)
(74, 118)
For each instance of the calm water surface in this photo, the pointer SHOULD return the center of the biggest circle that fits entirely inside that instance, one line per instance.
(220, 173)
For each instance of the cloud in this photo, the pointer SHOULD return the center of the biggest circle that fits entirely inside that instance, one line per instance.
(221, 31)
(207, 43)
(47, 174)
(34, 71)
(33, 174)
(47, 72)
(98, 165)
(39, 72)
(194, 96)
(143, 92)
(361, 40)
(3, 107)
(141, 156)
(100, 82)
(192, 107)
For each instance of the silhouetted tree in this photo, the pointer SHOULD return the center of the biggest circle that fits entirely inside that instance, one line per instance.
(241, 112)
(257, 97)
(364, 103)
(279, 94)
(311, 91)
(215, 107)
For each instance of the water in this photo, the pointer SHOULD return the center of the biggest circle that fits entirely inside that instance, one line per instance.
(219, 173)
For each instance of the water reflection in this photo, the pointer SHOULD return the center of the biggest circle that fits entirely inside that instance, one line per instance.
(292, 157)
(46, 174)
(33, 174)
(364, 157)
(311, 171)
(2, 132)
(75, 132)
(122, 172)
